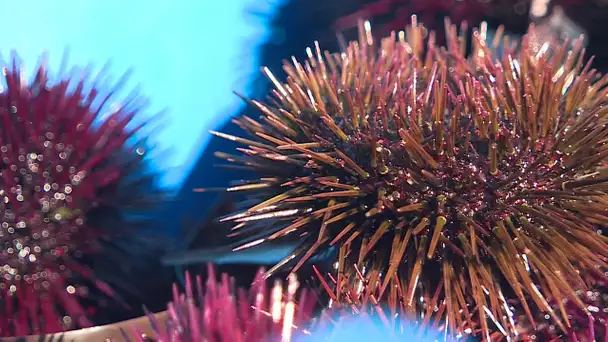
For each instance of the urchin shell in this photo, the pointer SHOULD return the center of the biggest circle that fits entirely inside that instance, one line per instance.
(61, 165)
(479, 179)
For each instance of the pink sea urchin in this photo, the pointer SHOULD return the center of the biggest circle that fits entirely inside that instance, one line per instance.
(219, 313)
(59, 162)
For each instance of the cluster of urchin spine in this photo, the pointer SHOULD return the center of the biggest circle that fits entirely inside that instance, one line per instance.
(468, 191)
(216, 312)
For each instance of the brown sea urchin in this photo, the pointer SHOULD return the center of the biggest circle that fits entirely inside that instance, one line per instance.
(477, 180)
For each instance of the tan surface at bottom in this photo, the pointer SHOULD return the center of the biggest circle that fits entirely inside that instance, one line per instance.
(110, 332)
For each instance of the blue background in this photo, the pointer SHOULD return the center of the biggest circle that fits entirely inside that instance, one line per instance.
(188, 56)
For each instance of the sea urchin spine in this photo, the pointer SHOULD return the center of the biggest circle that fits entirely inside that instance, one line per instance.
(479, 179)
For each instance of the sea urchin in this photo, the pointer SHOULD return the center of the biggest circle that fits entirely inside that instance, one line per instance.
(60, 165)
(221, 314)
(477, 180)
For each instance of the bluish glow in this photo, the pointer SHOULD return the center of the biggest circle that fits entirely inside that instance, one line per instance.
(187, 55)
(366, 329)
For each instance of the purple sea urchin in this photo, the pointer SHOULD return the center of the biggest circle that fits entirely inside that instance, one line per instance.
(64, 173)
(478, 179)
(221, 314)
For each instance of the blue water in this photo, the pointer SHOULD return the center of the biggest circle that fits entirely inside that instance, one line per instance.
(354, 329)
(187, 55)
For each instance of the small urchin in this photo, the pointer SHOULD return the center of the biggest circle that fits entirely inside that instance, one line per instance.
(212, 310)
(64, 170)
(477, 179)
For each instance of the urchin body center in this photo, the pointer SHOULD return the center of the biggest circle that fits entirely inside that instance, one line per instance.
(37, 219)
(456, 187)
